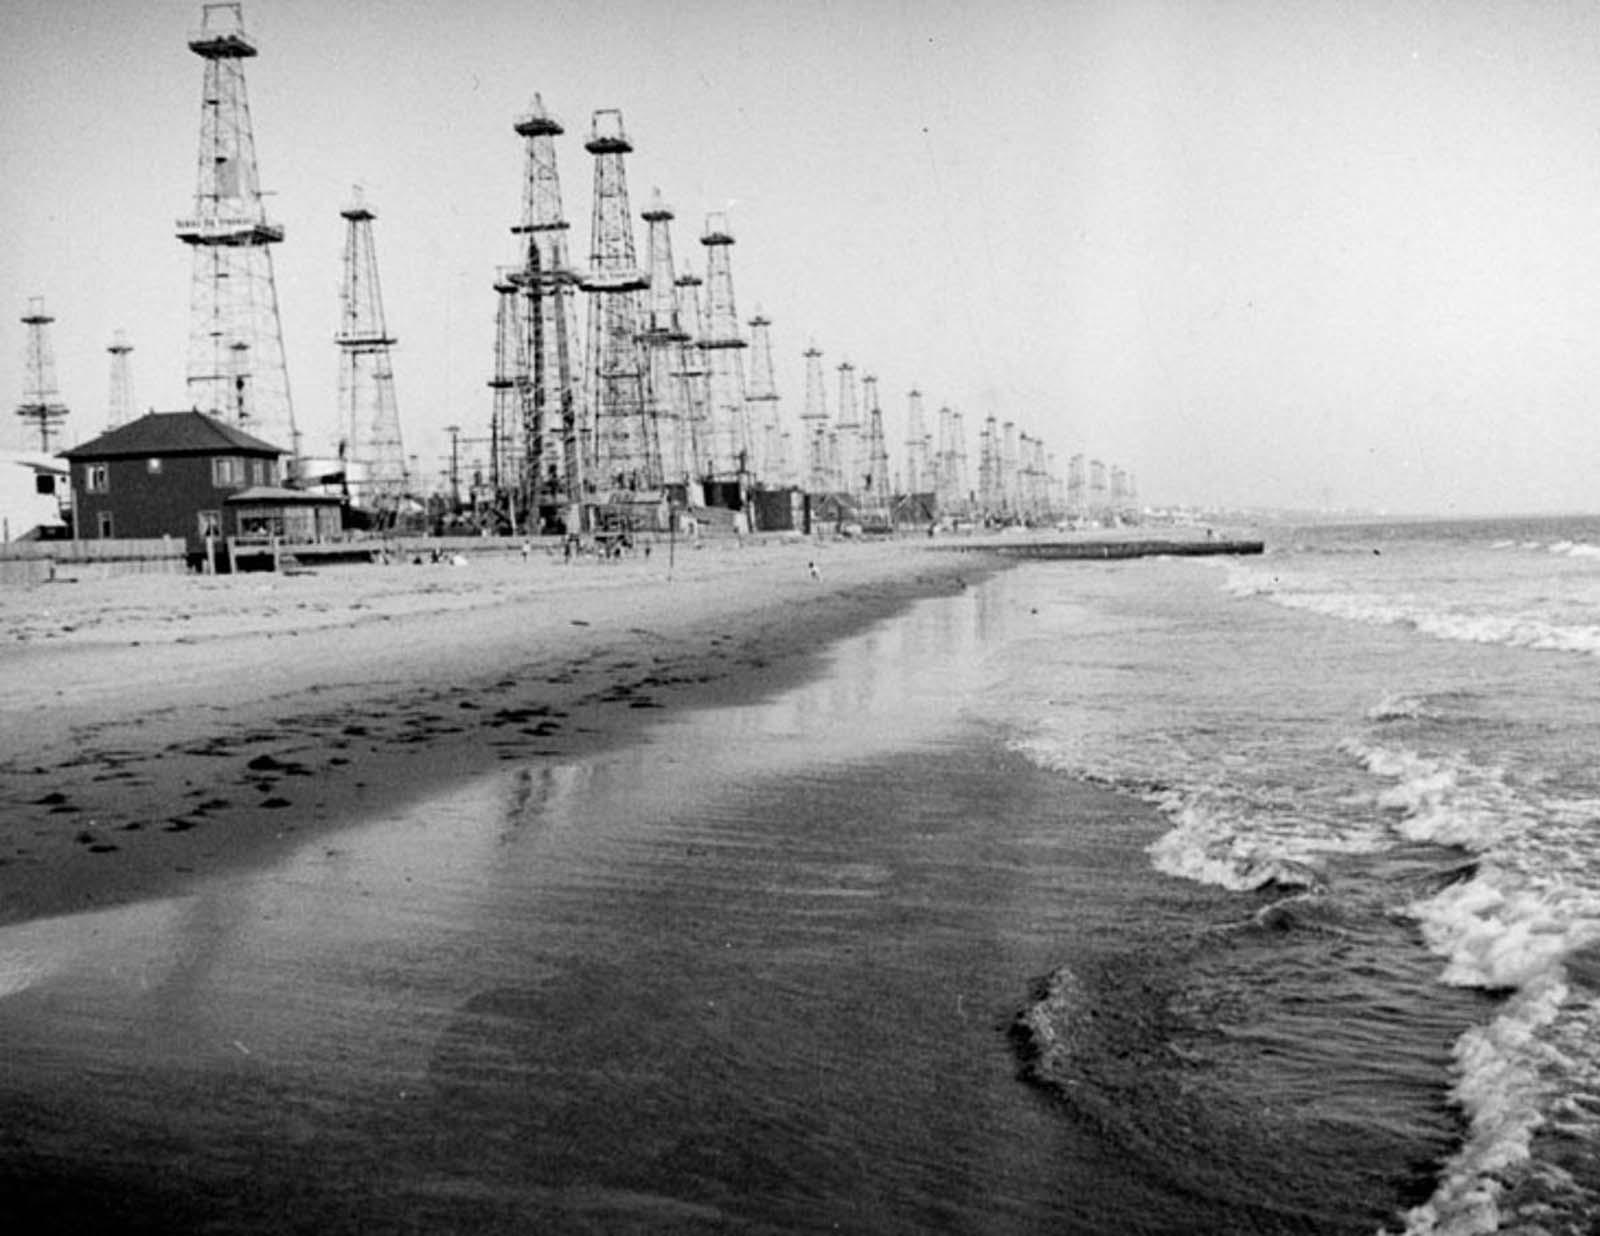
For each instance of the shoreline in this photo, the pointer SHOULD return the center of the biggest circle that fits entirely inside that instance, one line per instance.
(165, 729)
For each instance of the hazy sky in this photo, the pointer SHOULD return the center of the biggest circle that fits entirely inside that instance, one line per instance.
(1258, 252)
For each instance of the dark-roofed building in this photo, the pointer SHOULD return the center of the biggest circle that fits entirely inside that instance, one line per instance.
(167, 474)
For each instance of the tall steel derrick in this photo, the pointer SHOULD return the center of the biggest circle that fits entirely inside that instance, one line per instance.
(665, 335)
(369, 419)
(623, 442)
(1077, 499)
(876, 478)
(947, 483)
(772, 463)
(119, 407)
(543, 458)
(1010, 464)
(692, 377)
(237, 369)
(814, 422)
(919, 475)
(847, 433)
(723, 347)
(990, 483)
(513, 401)
(41, 409)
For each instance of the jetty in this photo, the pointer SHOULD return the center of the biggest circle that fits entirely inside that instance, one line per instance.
(1098, 545)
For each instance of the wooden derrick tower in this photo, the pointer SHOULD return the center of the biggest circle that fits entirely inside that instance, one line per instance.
(847, 426)
(723, 347)
(815, 422)
(369, 418)
(119, 408)
(237, 370)
(875, 480)
(41, 409)
(918, 476)
(622, 439)
(771, 463)
(665, 335)
(547, 467)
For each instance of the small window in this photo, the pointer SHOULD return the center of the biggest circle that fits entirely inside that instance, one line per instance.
(97, 478)
(44, 483)
(153, 465)
(105, 525)
(210, 524)
(227, 472)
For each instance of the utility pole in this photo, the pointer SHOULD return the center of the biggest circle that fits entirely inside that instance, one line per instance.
(455, 467)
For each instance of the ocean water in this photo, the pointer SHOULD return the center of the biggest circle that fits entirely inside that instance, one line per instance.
(1376, 736)
(1169, 896)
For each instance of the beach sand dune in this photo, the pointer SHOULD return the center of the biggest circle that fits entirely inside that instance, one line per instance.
(162, 728)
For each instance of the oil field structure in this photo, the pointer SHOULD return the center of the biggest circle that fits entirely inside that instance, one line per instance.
(626, 393)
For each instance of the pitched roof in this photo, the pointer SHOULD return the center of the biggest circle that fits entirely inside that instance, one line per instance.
(172, 433)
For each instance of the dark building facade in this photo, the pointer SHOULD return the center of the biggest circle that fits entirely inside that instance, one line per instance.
(166, 474)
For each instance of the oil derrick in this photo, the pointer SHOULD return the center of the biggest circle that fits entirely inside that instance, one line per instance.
(369, 420)
(693, 381)
(815, 426)
(876, 478)
(237, 370)
(1097, 489)
(548, 316)
(119, 409)
(1028, 496)
(511, 385)
(990, 501)
(963, 481)
(1075, 486)
(945, 484)
(624, 447)
(723, 347)
(1010, 465)
(664, 338)
(771, 456)
(847, 427)
(41, 408)
(918, 478)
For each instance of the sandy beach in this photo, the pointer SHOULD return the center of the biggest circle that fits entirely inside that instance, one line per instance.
(163, 728)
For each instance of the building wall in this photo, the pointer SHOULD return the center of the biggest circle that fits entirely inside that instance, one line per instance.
(22, 507)
(164, 501)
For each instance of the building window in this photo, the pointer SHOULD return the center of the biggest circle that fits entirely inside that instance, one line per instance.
(210, 524)
(97, 478)
(105, 525)
(153, 465)
(44, 484)
(227, 473)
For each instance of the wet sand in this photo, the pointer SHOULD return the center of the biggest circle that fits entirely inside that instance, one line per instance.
(750, 970)
(159, 729)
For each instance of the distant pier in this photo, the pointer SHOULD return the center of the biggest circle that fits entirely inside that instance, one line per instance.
(1105, 545)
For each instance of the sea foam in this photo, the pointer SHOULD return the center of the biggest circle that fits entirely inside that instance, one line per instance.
(1509, 928)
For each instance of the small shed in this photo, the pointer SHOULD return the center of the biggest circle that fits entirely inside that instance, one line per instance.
(291, 515)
